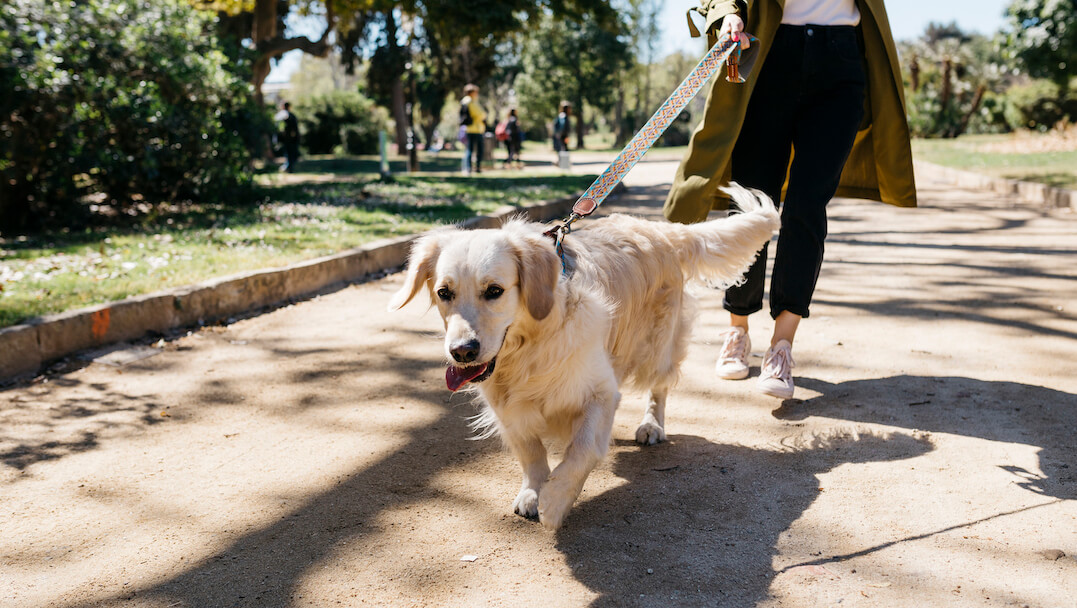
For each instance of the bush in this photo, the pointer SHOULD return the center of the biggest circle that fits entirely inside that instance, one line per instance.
(990, 118)
(130, 100)
(927, 117)
(339, 120)
(1035, 105)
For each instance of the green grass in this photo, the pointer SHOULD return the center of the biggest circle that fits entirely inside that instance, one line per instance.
(1003, 156)
(334, 205)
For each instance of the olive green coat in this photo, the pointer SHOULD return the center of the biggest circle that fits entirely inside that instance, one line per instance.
(880, 164)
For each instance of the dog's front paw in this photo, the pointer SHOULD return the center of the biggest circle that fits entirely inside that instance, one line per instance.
(650, 433)
(526, 503)
(554, 504)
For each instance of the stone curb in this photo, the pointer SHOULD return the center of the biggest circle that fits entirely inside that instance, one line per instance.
(25, 349)
(1040, 195)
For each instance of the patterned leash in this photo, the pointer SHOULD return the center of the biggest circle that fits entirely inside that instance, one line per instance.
(725, 51)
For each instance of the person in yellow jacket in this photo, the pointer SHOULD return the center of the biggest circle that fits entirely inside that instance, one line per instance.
(821, 114)
(475, 127)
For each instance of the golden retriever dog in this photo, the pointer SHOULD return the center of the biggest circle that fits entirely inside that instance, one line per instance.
(548, 350)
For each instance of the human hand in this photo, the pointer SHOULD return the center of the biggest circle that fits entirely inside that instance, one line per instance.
(733, 25)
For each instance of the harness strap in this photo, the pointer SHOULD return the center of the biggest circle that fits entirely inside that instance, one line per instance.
(725, 50)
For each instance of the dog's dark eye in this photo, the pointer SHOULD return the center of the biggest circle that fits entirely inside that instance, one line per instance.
(493, 292)
(445, 293)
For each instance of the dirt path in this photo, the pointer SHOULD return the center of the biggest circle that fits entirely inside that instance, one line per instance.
(312, 456)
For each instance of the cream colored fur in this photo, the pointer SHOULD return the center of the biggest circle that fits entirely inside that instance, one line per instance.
(564, 344)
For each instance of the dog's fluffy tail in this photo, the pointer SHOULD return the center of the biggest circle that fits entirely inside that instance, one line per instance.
(721, 250)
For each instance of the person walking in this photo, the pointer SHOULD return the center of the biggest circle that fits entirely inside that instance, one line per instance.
(515, 140)
(562, 127)
(473, 119)
(289, 136)
(821, 115)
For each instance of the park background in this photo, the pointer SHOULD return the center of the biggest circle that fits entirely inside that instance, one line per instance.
(137, 137)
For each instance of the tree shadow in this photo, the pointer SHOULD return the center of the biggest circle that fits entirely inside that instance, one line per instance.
(993, 410)
(266, 566)
(703, 523)
(30, 434)
(37, 427)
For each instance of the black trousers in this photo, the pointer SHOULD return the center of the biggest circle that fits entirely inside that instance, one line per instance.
(809, 98)
(474, 147)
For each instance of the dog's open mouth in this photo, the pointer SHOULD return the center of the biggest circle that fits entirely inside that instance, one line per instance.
(455, 377)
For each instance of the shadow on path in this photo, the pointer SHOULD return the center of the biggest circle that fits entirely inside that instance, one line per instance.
(266, 567)
(709, 542)
(996, 411)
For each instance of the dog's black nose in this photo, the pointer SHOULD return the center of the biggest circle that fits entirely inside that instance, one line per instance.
(465, 352)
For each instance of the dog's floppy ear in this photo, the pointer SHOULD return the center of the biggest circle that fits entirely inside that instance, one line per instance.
(539, 268)
(424, 255)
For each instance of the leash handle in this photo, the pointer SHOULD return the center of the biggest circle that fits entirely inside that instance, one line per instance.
(725, 50)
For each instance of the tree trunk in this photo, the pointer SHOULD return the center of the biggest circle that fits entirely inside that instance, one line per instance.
(947, 85)
(579, 124)
(619, 116)
(976, 100)
(399, 97)
(578, 101)
(263, 30)
(400, 116)
(271, 43)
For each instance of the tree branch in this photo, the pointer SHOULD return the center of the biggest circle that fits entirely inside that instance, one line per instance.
(320, 48)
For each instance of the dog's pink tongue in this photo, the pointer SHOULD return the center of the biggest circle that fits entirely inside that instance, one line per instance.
(455, 377)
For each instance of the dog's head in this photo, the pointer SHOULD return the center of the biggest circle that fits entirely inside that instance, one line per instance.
(482, 282)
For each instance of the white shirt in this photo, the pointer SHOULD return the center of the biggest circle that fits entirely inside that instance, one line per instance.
(821, 12)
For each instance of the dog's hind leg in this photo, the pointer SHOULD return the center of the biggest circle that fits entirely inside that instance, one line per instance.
(531, 454)
(652, 429)
(585, 450)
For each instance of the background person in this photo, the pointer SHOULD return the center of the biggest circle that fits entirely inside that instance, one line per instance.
(561, 128)
(474, 128)
(828, 73)
(515, 141)
(289, 136)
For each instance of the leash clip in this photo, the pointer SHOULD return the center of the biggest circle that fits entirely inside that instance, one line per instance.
(558, 233)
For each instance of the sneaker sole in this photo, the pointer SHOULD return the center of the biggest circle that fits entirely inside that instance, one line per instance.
(738, 375)
(776, 392)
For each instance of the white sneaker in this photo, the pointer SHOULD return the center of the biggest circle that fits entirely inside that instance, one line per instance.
(733, 360)
(776, 373)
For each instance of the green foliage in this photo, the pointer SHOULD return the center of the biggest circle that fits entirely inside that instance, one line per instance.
(1037, 105)
(127, 100)
(447, 43)
(343, 121)
(1042, 37)
(991, 116)
(928, 117)
(578, 61)
(951, 78)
